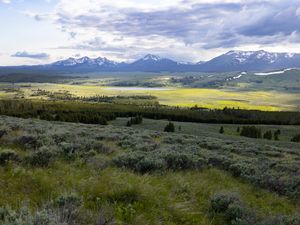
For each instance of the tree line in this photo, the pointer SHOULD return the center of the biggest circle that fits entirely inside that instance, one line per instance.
(85, 112)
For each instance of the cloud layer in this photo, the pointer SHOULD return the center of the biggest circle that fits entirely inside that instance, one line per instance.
(188, 30)
(5, 1)
(25, 54)
(137, 26)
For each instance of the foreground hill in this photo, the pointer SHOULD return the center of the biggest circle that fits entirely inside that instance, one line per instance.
(67, 173)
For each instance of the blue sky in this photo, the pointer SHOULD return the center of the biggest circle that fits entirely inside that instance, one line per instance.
(42, 31)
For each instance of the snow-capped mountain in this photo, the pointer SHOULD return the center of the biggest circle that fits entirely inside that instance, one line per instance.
(152, 63)
(70, 62)
(230, 61)
(258, 61)
(150, 57)
(252, 61)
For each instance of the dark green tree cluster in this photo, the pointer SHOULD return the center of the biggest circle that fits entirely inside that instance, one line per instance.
(135, 120)
(169, 127)
(251, 132)
(254, 132)
(268, 135)
(31, 109)
(296, 138)
(276, 135)
(88, 118)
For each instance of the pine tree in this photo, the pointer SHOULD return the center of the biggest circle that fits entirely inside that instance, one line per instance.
(170, 127)
(276, 135)
(268, 135)
(221, 131)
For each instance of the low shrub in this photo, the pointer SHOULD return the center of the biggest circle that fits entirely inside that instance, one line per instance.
(296, 138)
(2, 133)
(29, 141)
(68, 206)
(8, 155)
(150, 161)
(23, 216)
(126, 196)
(183, 161)
(40, 158)
(148, 164)
(221, 201)
(98, 162)
(237, 213)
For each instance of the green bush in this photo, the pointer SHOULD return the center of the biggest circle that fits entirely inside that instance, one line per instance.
(183, 161)
(291, 220)
(136, 120)
(221, 201)
(149, 164)
(169, 127)
(8, 155)
(296, 138)
(24, 217)
(68, 200)
(268, 135)
(2, 133)
(236, 213)
(68, 206)
(40, 158)
(148, 161)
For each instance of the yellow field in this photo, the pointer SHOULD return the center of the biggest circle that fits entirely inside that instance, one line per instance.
(210, 98)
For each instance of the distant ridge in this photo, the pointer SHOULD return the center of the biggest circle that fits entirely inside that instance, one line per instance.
(230, 61)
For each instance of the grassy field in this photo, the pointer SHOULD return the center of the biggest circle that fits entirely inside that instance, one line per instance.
(209, 98)
(86, 166)
(174, 197)
(212, 130)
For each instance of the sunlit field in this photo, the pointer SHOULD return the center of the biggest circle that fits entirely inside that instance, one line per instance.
(209, 98)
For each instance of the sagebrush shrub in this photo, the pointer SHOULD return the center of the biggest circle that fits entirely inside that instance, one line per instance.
(221, 201)
(8, 155)
(40, 158)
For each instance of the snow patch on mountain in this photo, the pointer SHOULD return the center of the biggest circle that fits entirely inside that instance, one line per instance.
(274, 73)
(236, 77)
(151, 57)
(84, 61)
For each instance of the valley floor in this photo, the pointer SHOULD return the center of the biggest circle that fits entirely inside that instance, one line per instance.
(214, 98)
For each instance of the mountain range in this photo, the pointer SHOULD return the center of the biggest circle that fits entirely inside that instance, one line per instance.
(230, 61)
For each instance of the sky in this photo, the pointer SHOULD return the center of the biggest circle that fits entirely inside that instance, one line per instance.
(44, 31)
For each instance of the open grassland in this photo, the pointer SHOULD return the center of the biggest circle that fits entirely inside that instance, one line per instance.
(212, 130)
(173, 197)
(209, 98)
(139, 176)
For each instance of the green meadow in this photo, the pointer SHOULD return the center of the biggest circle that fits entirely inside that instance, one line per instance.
(203, 97)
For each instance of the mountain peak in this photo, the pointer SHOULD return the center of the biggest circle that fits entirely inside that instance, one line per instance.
(151, 57)
(100, 61)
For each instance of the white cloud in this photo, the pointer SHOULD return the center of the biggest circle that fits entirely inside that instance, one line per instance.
(298, 12)
(180, 29)
(5, 1)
